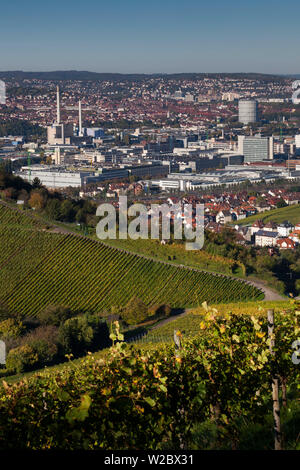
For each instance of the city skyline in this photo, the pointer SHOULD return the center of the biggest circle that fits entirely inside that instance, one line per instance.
(164, 37)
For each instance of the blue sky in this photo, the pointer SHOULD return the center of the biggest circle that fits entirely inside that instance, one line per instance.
(151, 37)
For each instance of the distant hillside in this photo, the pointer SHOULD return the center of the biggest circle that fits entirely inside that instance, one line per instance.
(95, 76)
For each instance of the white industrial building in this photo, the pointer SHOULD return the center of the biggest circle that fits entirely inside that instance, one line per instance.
(55, 178)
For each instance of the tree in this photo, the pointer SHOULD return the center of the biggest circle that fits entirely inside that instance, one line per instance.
(135, 311)
(163, 310)
(37, 201)
(79, 335)
(36, 184)
(67, 211)
(43, 341)
(23, 196)
(53, 209)
(80, 216)
(10, 193)
(54, 315)
(281, 203)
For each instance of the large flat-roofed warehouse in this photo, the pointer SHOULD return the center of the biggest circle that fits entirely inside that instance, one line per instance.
(56, 178)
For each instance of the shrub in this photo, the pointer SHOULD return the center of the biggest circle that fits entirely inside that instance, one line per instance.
(44, 342)
(21, 359)
(44, 350)
(11, 328)
(163, 310)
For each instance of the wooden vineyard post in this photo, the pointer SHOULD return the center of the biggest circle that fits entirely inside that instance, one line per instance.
(177, 342)
(2, 353)
(275, 383)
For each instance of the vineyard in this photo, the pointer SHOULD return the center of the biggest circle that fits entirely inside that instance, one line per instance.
(290, 213)
(176, 252)
(38, 268)
(191, 323)
(213, 393)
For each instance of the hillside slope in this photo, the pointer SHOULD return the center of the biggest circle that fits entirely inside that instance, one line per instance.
(38, 268)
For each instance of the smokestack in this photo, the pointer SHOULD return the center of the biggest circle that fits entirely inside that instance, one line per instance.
(80, 121)
(57, 105)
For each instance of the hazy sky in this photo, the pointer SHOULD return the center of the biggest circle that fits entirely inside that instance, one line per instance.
(151, 37)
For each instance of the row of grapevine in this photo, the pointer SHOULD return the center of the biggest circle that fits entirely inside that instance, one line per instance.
(86, 274)
(15, 218)
(140, 398)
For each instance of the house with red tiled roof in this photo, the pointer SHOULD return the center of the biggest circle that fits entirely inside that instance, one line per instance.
(295, 236)
(214, 227)
(248, 209)
(286, 244)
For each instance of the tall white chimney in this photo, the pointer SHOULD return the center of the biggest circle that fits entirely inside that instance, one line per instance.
(57, 105)
(80, 120)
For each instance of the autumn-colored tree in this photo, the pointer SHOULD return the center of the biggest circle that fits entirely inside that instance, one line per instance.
(37, 201)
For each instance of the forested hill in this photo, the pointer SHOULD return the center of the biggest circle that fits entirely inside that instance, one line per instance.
(95, 76)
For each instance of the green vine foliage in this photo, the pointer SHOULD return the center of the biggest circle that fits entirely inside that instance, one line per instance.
(138, 399)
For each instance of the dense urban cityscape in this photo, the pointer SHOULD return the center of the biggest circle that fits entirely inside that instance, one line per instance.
(149, 230)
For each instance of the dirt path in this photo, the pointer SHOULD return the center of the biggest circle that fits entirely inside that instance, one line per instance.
(270, 294)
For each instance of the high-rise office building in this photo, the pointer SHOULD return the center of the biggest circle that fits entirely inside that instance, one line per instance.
(247, 111)
(256, 148)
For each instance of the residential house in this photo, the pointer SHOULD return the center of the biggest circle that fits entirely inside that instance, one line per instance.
(285, 229)
(262, 206)
(256, 226)
(266, 238)
(245, 232)
(214, 227)
(292, 198)
(270, 227)
(238, 214)
(286, 243)
(295, 236)
(223, 217)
